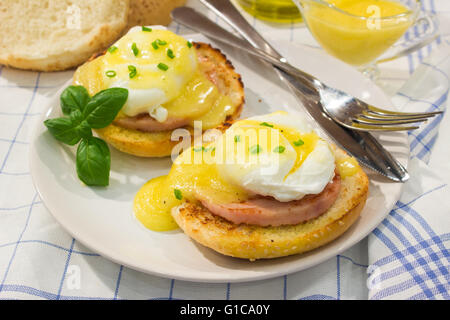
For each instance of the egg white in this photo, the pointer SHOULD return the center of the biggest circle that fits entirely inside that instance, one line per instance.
(271, 175)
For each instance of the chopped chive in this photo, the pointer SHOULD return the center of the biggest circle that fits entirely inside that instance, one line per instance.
(189, 44)
(279, 149)
(146, 29)
(255, 149)
(133, 71)
(178, 194)
(112, 49)
(299, 143)
(170, 54)
(265, 124)
(199, 149)
(237, 138)
(161, 42)
(110, 73)
(163, 66)
(135, 49)
(155, 45)
(210, 149)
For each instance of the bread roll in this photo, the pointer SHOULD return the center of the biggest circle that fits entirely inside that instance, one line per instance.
(52, 35)
(151, 12)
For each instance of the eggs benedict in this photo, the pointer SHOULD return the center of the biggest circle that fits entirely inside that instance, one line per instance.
(171, 81)
(268, 187)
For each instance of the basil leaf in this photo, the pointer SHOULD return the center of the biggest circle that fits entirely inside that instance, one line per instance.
(93, 162)
(64, 130)
(104, 107)
(83, 128)
(74, 98)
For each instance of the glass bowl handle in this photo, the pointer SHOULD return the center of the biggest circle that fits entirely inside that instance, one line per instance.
(421, 39)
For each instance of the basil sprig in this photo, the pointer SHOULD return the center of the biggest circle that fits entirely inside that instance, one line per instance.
(93, 162)
(82, 114)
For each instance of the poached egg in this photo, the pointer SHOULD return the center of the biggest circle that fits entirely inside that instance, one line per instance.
(165, 77)
(276, 155)
(154, 64)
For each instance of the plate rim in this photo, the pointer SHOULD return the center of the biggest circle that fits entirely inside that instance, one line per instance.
(104, 252)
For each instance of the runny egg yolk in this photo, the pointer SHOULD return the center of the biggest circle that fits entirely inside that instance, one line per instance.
(197, 174)
(303, 143)
(160, 70)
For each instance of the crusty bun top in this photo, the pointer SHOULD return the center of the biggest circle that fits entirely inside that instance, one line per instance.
(48, 35)
(151, 12)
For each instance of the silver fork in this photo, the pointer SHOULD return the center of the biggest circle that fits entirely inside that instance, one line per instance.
(343, 108)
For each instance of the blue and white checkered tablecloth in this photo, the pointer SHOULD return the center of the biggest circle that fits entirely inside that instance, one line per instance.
(405, 257)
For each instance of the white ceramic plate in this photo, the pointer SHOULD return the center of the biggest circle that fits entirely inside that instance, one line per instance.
(102, 218)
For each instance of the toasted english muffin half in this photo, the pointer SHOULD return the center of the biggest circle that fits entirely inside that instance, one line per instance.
(48, 35)
(159, 144)
(256, 242)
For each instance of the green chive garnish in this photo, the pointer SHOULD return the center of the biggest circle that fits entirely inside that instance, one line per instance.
(133, 71)
(135, 49)
(170, 54)
(146, 29)
(110, 73)
(237, 138)
(265, 124)
(155, 45)
(189, 44)
(163, 66)
(279, 149)
(161, 42)
(299, 143)
(199, 149)
(255, 149)
(178, 194)
(112, 49)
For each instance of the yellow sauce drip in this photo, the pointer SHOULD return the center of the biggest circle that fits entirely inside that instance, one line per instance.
(89, 75)
(153, 203)
(218, 112)
(347, 167)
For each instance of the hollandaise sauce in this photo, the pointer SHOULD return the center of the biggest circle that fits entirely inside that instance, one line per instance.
(193, 176)
(347, 167)
(214, 172)
(152, 205)
(358, 31)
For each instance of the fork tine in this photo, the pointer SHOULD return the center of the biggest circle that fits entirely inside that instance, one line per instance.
(376, 116)
(368, 128)
(386, 122)
(379, 111)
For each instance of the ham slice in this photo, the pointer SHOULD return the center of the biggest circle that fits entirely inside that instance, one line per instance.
(265, 211)
(143, 122)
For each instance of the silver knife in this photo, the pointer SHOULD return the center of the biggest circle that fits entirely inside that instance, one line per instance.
(361, 145)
